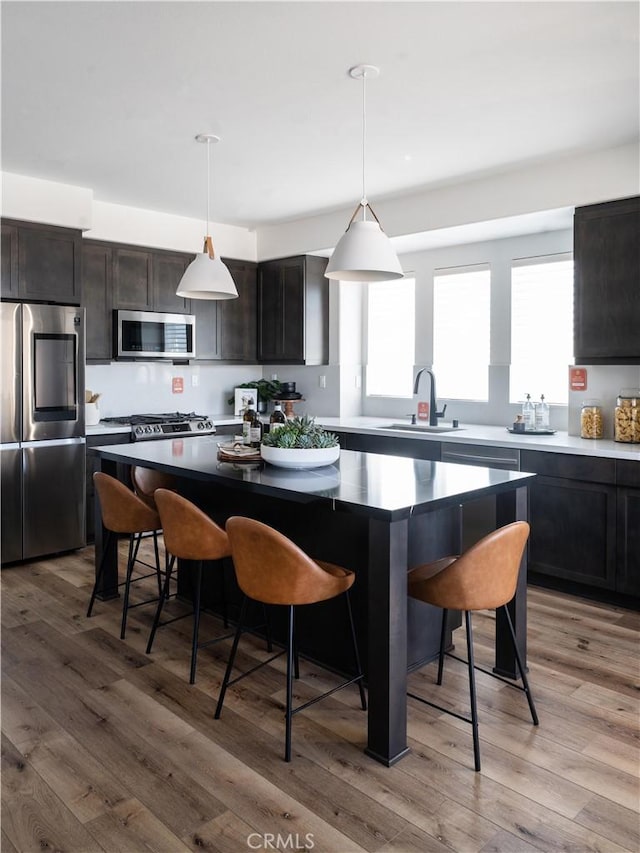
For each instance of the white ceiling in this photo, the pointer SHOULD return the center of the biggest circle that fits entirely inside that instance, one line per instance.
(110, 95)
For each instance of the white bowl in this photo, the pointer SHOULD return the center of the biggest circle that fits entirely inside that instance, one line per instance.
(294, 457)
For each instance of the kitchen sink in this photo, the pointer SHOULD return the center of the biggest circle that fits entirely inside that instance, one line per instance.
(421, 427)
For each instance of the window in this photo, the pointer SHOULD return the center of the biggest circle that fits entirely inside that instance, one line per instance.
(541, 328)
(461, 332)
(391, 337)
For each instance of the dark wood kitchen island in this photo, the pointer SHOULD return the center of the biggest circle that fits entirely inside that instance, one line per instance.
(375, 514)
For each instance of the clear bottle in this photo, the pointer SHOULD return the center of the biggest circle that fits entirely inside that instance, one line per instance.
(626, 419)
(542, 414)
(247, 420)
(277, 418)
(591, 419)
(528, 414)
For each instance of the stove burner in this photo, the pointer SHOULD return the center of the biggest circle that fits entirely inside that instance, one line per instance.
(165, 425)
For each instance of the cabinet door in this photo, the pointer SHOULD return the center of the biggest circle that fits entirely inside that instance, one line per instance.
(167, 270)
(49, 264)
(97, 295)
(573, 531)
(607, 276)
(237, 317)
(207, 338)
(281, 311)
(9, 262)
(628, 563)
(132, 280)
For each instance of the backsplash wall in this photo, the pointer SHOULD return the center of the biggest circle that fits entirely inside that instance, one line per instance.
(604, 382)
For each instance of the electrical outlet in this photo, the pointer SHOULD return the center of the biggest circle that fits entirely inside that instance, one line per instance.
(322, 381)
(195, 380)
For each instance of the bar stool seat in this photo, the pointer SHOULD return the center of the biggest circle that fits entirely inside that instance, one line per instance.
(272, 570)
(189, 534)
(123, 512)
(483, 578)
(147, 480)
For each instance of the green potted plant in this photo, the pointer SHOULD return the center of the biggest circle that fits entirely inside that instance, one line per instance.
(300, 443)
(267, 390)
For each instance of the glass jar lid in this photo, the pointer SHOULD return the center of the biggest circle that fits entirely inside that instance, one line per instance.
(591, 404)
(629, 393)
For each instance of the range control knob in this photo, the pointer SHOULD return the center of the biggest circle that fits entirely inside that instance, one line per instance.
(200, 424)
(208, 425)
(139, 430)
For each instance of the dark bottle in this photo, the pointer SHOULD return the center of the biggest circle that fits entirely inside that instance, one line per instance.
(255, 431)
(277, 418)
(247, 420)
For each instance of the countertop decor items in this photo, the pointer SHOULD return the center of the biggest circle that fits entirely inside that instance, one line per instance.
(207, 277)
(364, 252)
(300, 443)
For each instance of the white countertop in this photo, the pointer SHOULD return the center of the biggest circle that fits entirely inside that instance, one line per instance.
(492, 436)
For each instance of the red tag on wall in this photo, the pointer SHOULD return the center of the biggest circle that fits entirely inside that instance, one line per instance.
(578, 378)
(423, 411)
(177, 385)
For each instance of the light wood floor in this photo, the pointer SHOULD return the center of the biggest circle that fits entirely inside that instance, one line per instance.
(107, 749)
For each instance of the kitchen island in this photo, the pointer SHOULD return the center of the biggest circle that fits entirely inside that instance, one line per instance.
(375, 514)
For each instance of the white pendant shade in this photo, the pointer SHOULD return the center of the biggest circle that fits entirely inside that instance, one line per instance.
(207, 278)
(364, 253)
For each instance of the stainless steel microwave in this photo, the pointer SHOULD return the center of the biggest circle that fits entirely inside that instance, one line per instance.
(150, 334)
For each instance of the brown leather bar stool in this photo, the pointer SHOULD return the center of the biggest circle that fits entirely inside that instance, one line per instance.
(123, 512)
(483, 578)
(271, 569)
(146, 480)
(189, 534)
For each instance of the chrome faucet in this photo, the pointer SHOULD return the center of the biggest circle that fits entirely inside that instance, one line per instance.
(434, 414)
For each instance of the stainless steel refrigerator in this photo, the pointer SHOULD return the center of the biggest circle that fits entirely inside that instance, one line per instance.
(42, 431)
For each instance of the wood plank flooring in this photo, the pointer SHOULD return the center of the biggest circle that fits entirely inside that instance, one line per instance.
(107, 749)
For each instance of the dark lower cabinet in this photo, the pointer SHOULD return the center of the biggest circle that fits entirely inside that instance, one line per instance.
(41, 263)
(411, 447)
(573, 531)
(585, 521)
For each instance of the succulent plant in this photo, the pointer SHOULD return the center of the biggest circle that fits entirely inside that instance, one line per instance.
(301, 433)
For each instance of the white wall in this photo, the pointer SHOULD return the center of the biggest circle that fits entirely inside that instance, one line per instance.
(565, 182)
(34, 200)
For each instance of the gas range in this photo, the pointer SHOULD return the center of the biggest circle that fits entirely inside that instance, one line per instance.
(165, 425)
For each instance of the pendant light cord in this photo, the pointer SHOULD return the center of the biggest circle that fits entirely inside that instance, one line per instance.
(208, 179)
(364, 136)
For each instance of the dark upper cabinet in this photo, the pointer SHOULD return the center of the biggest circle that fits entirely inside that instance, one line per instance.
(146, 280)
(226, 328)
(97, 298)
(293, 311)
(166, 271)
(41, 263)
(607, 282)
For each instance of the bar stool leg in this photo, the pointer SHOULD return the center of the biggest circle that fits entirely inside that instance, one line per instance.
(356, 653)
(163, 598)
(443, 634)
(223, 603)
(133, 553)
(158, 569)
(523, 674)
(196, 620)
(290, 667)
(267, 627)
(232, 657)
(94, 591)
(472, 691)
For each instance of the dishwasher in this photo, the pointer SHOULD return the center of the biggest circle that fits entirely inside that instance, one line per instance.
(479, 516)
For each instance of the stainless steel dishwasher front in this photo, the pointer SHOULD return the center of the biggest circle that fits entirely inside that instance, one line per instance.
(479, 517)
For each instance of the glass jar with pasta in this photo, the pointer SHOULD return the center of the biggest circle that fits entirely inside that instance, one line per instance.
(591, 419)
(626, 418)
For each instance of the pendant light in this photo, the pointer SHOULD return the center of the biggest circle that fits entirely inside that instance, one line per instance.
(364, 252)
(207, 277)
